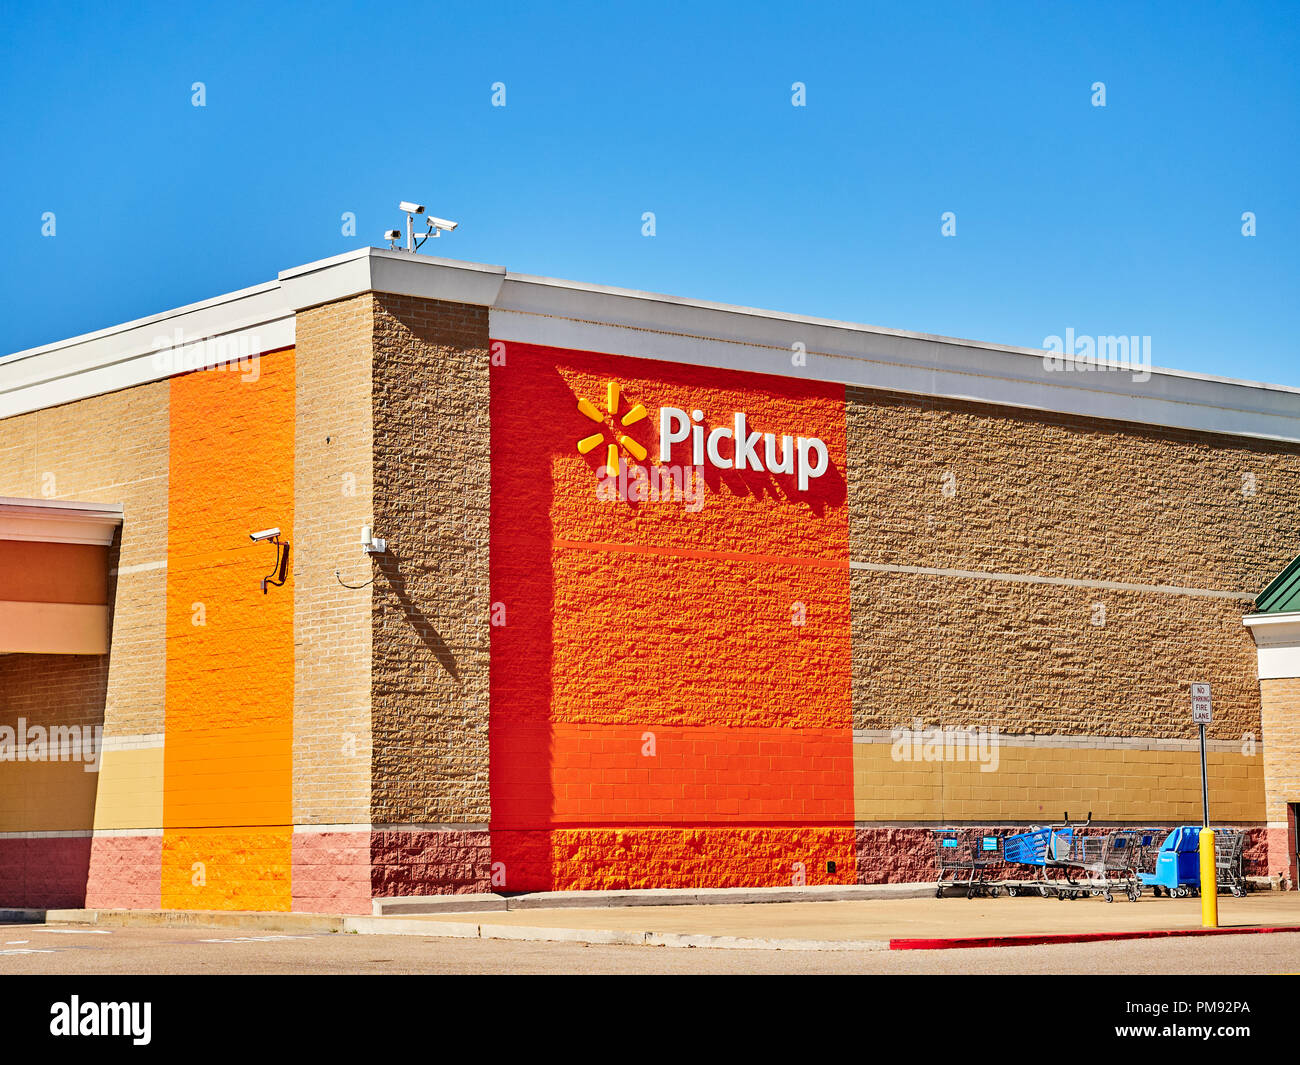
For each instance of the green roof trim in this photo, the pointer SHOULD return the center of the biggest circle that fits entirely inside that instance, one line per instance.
(1283, 595)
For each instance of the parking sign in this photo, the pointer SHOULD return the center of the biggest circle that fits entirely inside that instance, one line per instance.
(1202, 713)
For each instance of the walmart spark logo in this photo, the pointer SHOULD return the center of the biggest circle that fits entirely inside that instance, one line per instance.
(730, 446)
(589, 443)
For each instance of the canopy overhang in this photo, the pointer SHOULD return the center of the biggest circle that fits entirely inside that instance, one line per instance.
(54, 575)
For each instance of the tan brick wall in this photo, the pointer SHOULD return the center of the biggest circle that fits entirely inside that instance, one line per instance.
(332, 501)
(1282, 745)
(1036, 784)
(1069, 498)
(431, 501)
(106, 449)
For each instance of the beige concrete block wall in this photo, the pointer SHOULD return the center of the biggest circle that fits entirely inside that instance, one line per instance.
(108, 449)
(1028, 659)
(1067, 497)
(950, 485)
(1282, 749)
(432, 470)
(332, 501)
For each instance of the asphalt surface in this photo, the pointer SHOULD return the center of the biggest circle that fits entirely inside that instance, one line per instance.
(65, 949)
(885, 919)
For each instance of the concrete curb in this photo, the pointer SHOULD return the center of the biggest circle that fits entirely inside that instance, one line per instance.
(241, 920)
(560, 900)
(1034, 939)
(388, 926)
(16, 915)
(418, 904)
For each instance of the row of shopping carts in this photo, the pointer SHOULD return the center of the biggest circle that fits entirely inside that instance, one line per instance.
(1069, 863)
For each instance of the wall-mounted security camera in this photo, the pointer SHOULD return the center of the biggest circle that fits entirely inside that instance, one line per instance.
(370, 543)
(278, 575)
(437, 227)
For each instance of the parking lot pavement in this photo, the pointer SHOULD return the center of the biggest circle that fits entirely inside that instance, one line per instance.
(880, 920)
(43, 949)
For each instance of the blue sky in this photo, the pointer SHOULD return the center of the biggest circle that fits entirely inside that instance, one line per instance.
(1117, 220)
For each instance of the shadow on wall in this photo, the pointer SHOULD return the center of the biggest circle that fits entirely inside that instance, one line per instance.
(389, 566)
(522, 581)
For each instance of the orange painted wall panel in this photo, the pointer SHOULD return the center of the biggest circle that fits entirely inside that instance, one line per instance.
(228, 763)
(609, 859)
(634, 775)
(35, 572)
(214, 869)
(723, 628)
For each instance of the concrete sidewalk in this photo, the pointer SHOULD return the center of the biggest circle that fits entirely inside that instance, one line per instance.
(876, 924)
(853, 925)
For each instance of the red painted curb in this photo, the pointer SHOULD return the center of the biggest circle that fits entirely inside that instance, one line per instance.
(954, 942)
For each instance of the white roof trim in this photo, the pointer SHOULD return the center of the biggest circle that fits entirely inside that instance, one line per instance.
(58, 522)
(1277, 642)
(561, 314)
(588, 317)
(1254, 621)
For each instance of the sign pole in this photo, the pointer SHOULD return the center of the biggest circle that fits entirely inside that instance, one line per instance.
(1203, 714)
(1205, 785)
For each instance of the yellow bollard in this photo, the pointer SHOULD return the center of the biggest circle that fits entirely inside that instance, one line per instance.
(1209, 881)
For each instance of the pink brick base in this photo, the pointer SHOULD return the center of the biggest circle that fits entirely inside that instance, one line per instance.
(125, 873)
(331, 872)
(1282, 855)
(430, 863)
(340, 872)
(906, 855)
(44, 873)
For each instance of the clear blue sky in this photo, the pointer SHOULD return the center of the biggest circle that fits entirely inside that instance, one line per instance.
(1117, 220)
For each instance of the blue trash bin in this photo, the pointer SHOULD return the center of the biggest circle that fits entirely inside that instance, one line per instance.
(1178, 863)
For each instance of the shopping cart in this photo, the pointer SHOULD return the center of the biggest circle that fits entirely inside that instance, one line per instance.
(965, 856)
(1104, 865)
(1229, 851)
(1072, 864)
(1177, 869)
(1044, 847)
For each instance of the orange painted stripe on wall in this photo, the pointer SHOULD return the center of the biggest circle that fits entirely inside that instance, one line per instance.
(650, 774)
(228, 761)
(611, 859)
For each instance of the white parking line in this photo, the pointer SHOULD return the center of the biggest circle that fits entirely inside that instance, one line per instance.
(28, 951)
(74, 931)
(254, 939)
